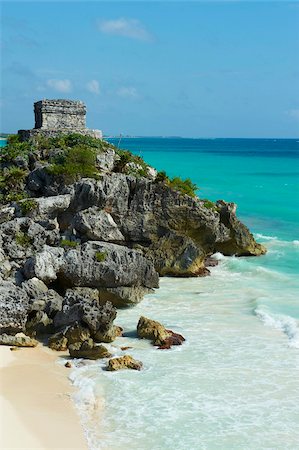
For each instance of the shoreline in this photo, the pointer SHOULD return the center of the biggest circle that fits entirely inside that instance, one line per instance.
(36, 401)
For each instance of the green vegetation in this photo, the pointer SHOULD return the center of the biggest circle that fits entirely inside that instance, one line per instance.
(209, 205)
(138, 165)
(12, 197)
(177, 184)
(68, 243)
(101, 256)
(12, 184)
(183, 186)
(78, 161)
(23, 239)
(161, 177)
(14, 148)
(12, 178)
(27, 206)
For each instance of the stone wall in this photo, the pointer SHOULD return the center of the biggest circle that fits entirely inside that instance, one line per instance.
(56, 117)
(60, 114)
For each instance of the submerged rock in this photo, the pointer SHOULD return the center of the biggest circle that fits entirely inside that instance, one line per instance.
(157, 333)
(124, 362)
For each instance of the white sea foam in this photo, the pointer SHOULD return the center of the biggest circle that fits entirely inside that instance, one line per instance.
(286, 324)
(264, 237)
(218, 256)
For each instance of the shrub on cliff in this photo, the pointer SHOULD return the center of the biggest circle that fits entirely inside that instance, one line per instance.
(177, 184)
(130, 164)
(183, 186)
(75, 162)
(12, 181)
(14, 148)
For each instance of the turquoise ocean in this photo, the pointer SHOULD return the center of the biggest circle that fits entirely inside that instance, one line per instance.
(234, 384)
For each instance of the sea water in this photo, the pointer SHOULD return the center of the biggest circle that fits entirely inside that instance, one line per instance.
(233, 384)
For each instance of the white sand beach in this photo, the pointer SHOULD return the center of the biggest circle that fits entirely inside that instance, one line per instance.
(36, 410)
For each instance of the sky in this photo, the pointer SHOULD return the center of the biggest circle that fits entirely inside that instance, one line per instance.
(170, 68)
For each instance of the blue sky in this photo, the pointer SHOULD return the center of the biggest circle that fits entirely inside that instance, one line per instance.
(197, 69)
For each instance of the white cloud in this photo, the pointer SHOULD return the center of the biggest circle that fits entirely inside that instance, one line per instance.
(127, 92)
(93, 86)
(60, 85)
(131, 28)
(293, 113)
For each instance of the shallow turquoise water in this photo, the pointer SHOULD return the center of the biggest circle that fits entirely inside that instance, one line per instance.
(234, 384)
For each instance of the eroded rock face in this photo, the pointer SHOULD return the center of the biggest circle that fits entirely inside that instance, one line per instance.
(175, 231)
(45, 265)
(14, 308)
(97, 224)
(100, 264)
(124, 362)
(86, 311)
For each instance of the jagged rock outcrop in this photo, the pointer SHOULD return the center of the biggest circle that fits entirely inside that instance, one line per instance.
(81, 309)
(105, 265)
(175, 231)
(124, 362)
(73, 250)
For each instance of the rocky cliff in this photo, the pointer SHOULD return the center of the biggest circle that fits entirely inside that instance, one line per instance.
(85, 228)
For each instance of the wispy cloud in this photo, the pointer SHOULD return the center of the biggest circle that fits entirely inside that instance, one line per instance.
(131, 28)
(93, 86)
(127, 92)
(19, 69)
(294, 113)
(60, 85)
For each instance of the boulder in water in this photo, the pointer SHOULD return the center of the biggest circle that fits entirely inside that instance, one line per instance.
(124, 362)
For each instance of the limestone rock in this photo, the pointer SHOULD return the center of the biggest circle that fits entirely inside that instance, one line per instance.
(108, 336)
(96, 224)
(58, 342)
(157, 333)
(89, 314)
(241, 241)
(14, 308)
(123, 296)
(18, 340)
(151, 329)
(45, 264)
(88, 350)
(34, 288)
(101, 264)
(38, 322)
(124, 362)
(176, 232)
(106, 160)
(77, 333)
(6, 213)
(51, 207)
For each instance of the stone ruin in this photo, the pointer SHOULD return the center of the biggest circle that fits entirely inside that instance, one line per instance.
(56, 117)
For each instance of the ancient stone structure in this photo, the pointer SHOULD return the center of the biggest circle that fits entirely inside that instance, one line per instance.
(55, 117)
